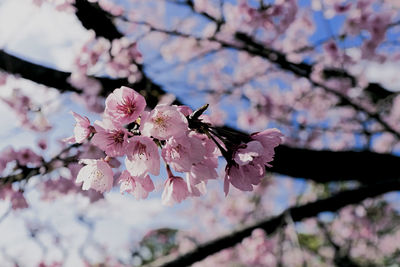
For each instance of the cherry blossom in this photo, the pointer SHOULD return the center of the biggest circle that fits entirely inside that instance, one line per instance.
(97, 174)
(140, 187)
(247, 168)
(183, 152)
(110, 137)
(317, 72)
(142, 156)
(269, 139)
(175, 190)
(82, 129)
(163, 122)
(124, 105)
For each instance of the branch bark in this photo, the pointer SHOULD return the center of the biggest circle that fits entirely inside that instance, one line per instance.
(270, 225)
(59, 79)
(92, 16)
(320, 166)
(325, 166)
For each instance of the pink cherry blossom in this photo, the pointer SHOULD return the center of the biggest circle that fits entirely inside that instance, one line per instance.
(249, 160)
(269, 139)
(124, 105)
(203, 171)
(185, 110)
(110, 137)
(137, 186)
(247, 154)
(97, 174)
(175, 189)
(164, 122)
(42, 144)
(183, 152)
(244, 177)
(82, 129)
(142, 156)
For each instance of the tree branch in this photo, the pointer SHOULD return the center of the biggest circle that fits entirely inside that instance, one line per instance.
(326, 166)
(59, 79)
(320, 166)
(270, 225)
(92, 16)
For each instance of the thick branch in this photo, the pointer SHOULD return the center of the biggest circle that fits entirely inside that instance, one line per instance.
(332, 203)
(36, 73)
(59, 79)
(48, 76)
(320, 166)
(326, 166)
(93, 17)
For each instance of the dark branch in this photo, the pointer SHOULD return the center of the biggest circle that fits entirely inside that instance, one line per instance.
(326, 166)
(270, 225)
(320, 166)
(305, 69)
(59, 79)
(50, 77)
(94, 17)
(36, 73)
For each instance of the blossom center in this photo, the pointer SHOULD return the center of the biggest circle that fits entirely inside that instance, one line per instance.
(97, 175)
(161, 121)
(117, 137)
(141, 151)
(127, 106)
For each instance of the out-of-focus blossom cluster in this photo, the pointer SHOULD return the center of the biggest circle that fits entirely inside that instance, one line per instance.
(29, 114)
(118, 59)
(23, 159)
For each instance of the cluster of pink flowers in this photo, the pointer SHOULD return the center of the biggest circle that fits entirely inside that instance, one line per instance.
(275, 18)
(184, 137)
(29, 114)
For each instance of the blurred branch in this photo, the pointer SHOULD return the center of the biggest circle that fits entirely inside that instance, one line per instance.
(27, 172)
(48, 76)
(284, 63)
(36, 73)
(93, 17)
(374, 90)
(270, 225)
(59, 79)
(342, 256)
